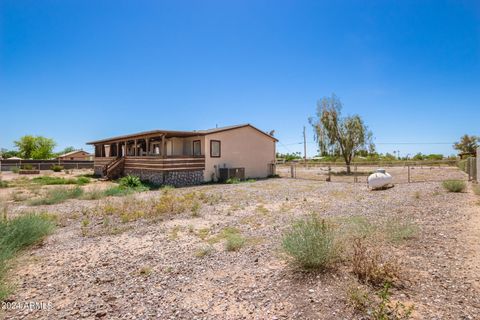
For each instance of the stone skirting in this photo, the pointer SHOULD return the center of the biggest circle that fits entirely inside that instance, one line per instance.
(98, 171)
(173, 178)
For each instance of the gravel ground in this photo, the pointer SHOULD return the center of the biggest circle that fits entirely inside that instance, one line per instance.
(148, 269)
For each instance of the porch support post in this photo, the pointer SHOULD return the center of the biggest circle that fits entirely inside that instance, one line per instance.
(147, 143)
(164, 151)
(117, 152)
(135, 148)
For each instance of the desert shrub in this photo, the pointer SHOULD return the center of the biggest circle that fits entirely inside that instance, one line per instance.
(3, 184)
(82, 180)
(454, 185)
(203, 251)
(359, 299)
(57, 195)
(369, 266)
(311, 243)
(27, 166)
(49, 180)
(130, 182)
(234, 241)
(117, 191)
(232, 181)
(17, 234)
(56, 168)
(15, 169)
(145, 271)
(385, 309)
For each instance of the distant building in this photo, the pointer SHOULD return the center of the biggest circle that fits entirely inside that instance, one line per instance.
(76, 155)
(14, 158)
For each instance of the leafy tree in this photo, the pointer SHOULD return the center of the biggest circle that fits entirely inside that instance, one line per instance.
(35, 147)
(467, 144)
(347, 134)
(8, 153)
(26, 145)
(418, 156)
(389, 157)
(44, 148)
(434, 156)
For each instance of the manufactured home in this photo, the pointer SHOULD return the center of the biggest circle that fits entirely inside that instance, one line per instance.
(182, 158)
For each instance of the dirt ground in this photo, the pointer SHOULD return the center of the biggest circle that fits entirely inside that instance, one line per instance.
(151, 269)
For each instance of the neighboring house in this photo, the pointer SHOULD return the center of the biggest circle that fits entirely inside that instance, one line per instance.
(14, 158)
(76, 155)
(187, 157)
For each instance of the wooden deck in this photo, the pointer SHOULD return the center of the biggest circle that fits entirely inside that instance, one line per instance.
(156, 163)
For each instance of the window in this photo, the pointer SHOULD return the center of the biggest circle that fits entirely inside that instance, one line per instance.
(215, 148)
(197, 151)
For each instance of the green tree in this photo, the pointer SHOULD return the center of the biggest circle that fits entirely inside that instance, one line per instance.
(418, 156)
(35, 147)
(467, 144)
(346, 134)
(4, 153)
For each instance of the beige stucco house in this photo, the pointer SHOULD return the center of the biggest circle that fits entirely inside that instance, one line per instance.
(187, 157)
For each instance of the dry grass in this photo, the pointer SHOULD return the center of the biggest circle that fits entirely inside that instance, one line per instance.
(370, 266)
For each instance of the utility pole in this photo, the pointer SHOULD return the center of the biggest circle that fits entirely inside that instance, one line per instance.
(304, 146)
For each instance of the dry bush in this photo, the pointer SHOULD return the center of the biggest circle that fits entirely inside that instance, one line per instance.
(370, 266)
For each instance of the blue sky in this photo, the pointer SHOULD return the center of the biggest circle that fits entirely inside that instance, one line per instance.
(83, 70)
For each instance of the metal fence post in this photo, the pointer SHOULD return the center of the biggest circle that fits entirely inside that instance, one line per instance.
(408, 173)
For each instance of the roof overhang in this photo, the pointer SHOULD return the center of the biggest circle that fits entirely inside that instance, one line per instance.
(172, 133)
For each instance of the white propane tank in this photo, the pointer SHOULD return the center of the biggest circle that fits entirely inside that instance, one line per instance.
(379, 179)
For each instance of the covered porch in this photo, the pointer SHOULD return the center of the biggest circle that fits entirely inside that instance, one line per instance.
(157, 145)
(150, 154)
